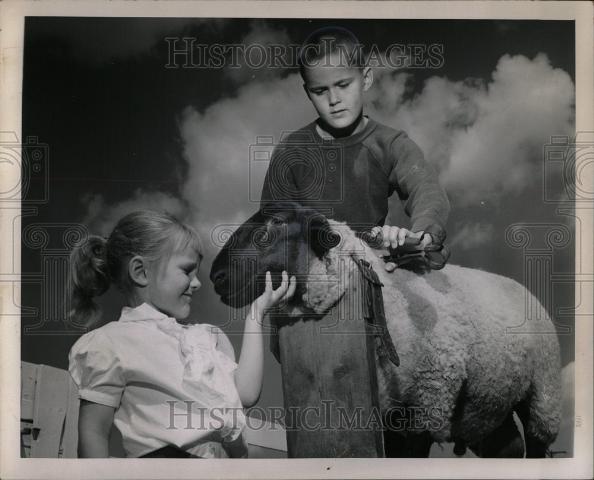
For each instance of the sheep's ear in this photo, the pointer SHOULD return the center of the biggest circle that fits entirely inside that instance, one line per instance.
(321, 236)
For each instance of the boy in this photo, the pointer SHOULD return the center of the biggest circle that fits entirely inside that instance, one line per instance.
(345, 164)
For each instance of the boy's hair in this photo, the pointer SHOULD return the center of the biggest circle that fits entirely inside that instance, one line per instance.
(99, 262)
(325, 41)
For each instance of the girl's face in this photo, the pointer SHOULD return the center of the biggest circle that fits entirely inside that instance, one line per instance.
(172, 283)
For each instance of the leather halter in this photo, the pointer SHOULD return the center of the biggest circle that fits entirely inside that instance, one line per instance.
(374, 312)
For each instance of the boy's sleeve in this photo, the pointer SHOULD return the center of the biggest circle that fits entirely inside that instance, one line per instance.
(417, 185)
(96, 370)
(279, 183)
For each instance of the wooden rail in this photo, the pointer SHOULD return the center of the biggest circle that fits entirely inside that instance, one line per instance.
(330, 383)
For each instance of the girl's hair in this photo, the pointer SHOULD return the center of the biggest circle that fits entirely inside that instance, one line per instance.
(99, 262)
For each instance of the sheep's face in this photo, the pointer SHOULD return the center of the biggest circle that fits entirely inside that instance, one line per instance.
(287, 238)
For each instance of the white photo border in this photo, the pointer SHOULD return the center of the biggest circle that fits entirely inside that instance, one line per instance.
(12, 16)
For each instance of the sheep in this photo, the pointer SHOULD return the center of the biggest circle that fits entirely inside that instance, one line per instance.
(450, 329)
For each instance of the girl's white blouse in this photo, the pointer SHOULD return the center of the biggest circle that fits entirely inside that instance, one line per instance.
(169, 383)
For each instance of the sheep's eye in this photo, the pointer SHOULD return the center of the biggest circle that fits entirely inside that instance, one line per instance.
(275, 221)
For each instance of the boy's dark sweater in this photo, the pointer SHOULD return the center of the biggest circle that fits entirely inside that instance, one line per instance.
(350, 179)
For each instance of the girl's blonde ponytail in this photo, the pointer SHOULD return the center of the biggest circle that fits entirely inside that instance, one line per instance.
(88, 278)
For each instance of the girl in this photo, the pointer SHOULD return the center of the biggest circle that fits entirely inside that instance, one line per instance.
(171, 388)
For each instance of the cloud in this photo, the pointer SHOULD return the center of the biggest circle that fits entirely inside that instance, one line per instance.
(486, 138)
(263, 55)
(472, 235)
(224, 180)
(430, 117)
(102, 218)
(387, 93)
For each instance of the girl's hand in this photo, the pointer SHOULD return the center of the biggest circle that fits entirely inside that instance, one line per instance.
(271, 297)
(250, 370)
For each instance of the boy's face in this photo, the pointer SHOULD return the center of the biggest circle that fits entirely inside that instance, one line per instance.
(336, 91)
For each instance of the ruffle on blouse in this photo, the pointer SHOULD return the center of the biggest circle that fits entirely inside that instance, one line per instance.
(208, 375)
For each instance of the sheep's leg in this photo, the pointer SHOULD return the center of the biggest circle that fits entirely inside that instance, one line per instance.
(504, 442)
(536, 447)
(438, 391)
(395, 445)
(540, 411)
(420, 444)
(399, 445)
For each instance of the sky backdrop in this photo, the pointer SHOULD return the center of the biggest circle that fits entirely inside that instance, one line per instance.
(124, 133)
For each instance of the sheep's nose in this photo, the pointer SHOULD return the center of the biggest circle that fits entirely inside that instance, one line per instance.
(218, 279)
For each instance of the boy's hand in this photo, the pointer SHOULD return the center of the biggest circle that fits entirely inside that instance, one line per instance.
(272, 297)
(394, 236)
